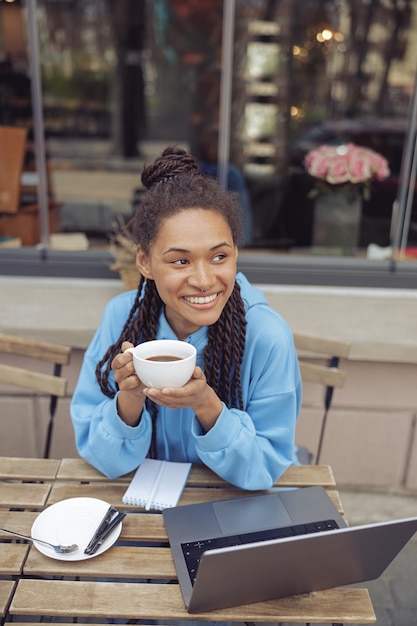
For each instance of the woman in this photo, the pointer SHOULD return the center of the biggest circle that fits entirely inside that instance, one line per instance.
(237, 414)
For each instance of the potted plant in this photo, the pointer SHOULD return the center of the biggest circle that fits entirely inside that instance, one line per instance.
(344, 174)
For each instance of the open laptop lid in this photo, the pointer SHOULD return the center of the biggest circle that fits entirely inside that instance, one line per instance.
(239, 515)
(244, 574)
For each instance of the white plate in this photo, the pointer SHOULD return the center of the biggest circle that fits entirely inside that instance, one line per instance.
(72, 521)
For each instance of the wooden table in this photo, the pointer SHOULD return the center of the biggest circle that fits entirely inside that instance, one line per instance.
(33, 585)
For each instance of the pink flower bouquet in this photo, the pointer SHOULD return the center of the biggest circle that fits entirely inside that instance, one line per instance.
(345, 165)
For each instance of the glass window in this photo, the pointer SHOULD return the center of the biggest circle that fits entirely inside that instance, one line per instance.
(121, 80)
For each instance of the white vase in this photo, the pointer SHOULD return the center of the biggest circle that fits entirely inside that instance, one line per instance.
(336, 223)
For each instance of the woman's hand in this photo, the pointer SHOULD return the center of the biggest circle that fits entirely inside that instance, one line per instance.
(131, 399)
(196, 394)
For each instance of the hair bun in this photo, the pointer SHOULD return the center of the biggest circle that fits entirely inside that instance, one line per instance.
(173, 161)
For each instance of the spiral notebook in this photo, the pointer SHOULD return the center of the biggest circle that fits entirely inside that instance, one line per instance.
(157, 484)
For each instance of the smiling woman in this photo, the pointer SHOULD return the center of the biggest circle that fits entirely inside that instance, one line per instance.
(194, 266)
(243, 398)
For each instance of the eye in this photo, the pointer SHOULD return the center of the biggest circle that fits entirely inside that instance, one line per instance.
(180, 262)
(220, 256)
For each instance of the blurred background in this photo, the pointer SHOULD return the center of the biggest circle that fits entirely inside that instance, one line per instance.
(121, 79)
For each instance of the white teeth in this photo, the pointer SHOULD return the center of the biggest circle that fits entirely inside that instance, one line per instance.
(201, 299)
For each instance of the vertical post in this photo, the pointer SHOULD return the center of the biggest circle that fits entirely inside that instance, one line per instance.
(406, 182)
(410, 198)
(38, 125)
(226, 89)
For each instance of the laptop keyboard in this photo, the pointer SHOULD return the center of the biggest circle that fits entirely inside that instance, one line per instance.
(194, 549)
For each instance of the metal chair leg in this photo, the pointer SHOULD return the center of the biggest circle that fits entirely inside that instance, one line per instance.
(334, 362)
(52, 409)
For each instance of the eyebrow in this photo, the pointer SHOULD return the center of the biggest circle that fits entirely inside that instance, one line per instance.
(185, 251)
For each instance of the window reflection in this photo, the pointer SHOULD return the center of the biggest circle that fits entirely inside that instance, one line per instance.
(122, 79)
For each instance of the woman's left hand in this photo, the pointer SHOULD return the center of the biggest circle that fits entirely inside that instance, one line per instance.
(196, 394)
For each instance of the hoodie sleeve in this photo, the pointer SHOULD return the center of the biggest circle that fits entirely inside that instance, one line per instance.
(101, 437)
(251, 448)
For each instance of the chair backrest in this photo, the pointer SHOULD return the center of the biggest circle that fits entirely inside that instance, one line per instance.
(330, 375)
(53, 385)
(12, 156)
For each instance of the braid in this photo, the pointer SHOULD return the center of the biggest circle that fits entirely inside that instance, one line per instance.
(141, 325)
(172, 162)
(145, 323)
(239, 334)
(103, 368)
(224, 351)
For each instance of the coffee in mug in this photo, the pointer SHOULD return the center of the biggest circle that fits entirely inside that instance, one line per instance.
(164, 362)
(163, 358)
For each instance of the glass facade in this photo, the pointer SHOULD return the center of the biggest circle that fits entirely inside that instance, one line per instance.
(121, 79)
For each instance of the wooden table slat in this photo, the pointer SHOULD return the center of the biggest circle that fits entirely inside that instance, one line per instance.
(119, 562)
(109, 492)
(80, 470)
(14, 468)
(143, 527)
(20, 521)
(78, 624)
(24, 495)
(307, 476)
(295, 476)
(335, 497)
(55, 598)
(6, 592)
(12, 558)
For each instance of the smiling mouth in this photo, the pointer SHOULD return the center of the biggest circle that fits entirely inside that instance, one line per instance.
(201, 299)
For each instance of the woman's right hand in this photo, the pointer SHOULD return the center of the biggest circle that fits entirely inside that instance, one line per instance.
(131, 399)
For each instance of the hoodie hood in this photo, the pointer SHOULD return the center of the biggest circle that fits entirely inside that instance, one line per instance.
(252, 296)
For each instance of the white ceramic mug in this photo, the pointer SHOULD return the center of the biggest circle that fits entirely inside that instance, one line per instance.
(164, 362)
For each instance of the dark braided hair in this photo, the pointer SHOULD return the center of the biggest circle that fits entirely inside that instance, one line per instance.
(174, 184)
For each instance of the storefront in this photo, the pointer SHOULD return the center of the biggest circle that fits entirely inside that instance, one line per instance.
(251, 87)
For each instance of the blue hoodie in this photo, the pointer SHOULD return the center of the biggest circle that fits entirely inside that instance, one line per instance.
(249, 448)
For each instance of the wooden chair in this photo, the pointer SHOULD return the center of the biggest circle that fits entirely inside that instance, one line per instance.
(53, 385)
(329, 375)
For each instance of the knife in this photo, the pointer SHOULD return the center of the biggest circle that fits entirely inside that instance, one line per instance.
(106, 530)
(110, 513)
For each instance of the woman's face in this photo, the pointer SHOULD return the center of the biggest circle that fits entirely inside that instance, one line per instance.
(193, 264)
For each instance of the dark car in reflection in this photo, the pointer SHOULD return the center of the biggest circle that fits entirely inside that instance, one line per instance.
(295, 216)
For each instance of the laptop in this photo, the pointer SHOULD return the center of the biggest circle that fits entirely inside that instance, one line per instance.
(255, 548)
